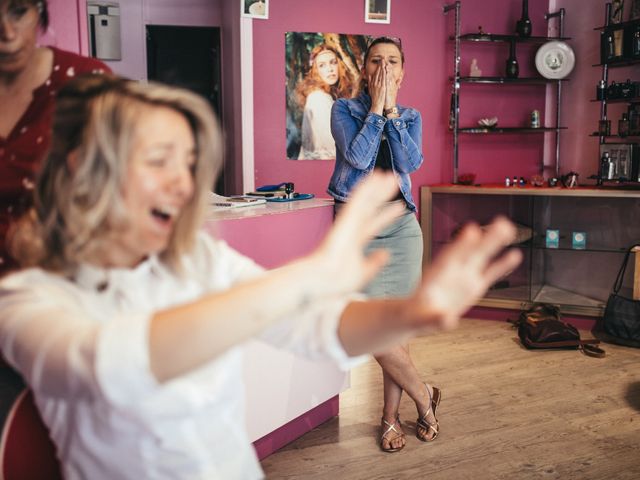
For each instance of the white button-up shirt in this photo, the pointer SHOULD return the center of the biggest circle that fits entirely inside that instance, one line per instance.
(82, 345)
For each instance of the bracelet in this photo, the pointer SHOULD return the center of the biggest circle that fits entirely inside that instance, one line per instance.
(392, 110)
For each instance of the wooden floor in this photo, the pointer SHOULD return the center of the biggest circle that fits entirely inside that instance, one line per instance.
(506, 413)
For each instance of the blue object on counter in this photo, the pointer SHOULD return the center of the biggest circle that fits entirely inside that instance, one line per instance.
(271, 188)
(296, 196)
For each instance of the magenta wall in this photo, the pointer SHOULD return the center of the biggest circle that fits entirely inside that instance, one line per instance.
(64, 27)
(424, 30)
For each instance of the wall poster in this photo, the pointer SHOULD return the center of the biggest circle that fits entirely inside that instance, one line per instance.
(319, 68)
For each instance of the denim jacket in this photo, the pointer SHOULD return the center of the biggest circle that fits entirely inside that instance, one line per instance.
(358, 134)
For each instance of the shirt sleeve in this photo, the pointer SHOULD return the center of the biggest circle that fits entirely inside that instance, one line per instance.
(405, 140)
(312, 332)
(357, 139)
(61, 351)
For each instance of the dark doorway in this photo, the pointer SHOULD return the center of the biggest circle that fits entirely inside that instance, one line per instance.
(187, 57)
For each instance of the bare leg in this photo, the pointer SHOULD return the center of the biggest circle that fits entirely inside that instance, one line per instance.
(400, 374)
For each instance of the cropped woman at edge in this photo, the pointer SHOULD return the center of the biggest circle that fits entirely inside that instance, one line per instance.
(327, 79)
(372, 132)
(30, 76)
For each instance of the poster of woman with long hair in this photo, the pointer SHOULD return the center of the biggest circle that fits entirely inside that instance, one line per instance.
(320, 67)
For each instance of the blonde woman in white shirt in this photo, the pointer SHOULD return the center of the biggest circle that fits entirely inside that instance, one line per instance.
(129, 323)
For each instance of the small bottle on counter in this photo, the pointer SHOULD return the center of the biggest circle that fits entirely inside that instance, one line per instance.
(507, 182)
(521, 182)
(514, 182)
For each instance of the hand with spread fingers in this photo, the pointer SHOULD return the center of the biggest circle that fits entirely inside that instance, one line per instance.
(465, 269)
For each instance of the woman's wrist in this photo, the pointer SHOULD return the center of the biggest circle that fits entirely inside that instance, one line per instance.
(391, 111)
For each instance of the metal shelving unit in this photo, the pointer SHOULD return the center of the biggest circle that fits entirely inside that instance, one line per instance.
(605, 76)
(457, 80)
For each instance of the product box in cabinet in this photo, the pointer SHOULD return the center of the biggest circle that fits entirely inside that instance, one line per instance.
(625, 158)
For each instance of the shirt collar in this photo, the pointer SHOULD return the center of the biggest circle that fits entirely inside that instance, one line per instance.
(92, 277)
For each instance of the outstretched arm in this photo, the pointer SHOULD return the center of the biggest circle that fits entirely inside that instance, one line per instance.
(456, 279)
(184, 337)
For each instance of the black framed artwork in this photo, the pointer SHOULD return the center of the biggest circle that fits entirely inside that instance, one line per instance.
(615, 14)
(634, 12)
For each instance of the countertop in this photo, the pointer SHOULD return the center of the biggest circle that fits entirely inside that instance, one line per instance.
(269, 208)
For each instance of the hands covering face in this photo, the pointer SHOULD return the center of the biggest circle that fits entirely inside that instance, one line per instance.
(384, 84)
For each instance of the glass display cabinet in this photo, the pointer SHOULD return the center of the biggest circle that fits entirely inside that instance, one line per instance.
(573, 240)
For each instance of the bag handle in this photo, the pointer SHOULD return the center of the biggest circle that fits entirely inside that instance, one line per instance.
(618, 283)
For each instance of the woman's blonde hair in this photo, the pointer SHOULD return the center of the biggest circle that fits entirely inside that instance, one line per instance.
(312, 80)
(78, 204)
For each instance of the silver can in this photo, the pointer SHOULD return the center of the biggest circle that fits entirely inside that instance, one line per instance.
(535, 119)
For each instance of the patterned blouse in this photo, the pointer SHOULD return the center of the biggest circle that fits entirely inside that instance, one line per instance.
(25, 147)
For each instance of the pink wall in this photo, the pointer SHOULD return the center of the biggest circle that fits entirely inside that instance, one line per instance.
(424, 30)
(64, 28)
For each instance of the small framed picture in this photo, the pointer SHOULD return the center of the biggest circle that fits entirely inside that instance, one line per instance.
(615, 14)
(634, 12)
(255, 8)
(377, 11)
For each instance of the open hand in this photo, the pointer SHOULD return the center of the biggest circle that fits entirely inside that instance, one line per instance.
(463, 271)
(392, 87)
(377, 85)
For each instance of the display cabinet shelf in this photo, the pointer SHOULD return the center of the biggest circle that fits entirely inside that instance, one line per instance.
(550, 125)
(618, 100)
(628, 23)
(619, 63)
(500, 38)
(497, 130)
(505, 80)
(577, 277)
(629, 57)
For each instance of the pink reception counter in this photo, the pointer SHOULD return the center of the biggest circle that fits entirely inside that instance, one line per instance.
(287, 395)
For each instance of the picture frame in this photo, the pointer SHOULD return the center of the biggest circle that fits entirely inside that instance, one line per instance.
(377, 11)
(615, 14)
(634, 11)
(254, 9)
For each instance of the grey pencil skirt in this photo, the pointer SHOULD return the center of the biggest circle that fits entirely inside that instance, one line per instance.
(403, 240)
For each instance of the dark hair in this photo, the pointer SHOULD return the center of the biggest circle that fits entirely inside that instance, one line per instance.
(43, 7)
(391, 40)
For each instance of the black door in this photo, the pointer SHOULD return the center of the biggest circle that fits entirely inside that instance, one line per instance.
(187, 57)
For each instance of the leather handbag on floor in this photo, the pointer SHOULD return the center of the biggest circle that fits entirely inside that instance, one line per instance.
(621, 320)
(541, 327)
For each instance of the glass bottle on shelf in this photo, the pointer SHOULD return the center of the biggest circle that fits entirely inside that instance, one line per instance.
(523, 26)
(635, 40)
(623, 125)
(601, 90)
(512, 69)
(607, 50)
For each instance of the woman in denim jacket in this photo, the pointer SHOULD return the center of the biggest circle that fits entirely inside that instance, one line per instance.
(371, 132)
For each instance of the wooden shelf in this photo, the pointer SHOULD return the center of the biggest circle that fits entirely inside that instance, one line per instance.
(494, 38)
(515, 81)
(502, 130)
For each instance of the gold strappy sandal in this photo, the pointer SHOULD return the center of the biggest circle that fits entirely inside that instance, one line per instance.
(422, 422)
(391, 427)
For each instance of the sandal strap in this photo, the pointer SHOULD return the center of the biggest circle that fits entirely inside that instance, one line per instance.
(392, 428)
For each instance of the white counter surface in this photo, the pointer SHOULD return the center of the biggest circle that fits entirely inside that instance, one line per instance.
(269, 208)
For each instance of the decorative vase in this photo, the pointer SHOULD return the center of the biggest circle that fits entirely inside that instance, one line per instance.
(523, 26)
(512, 69)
